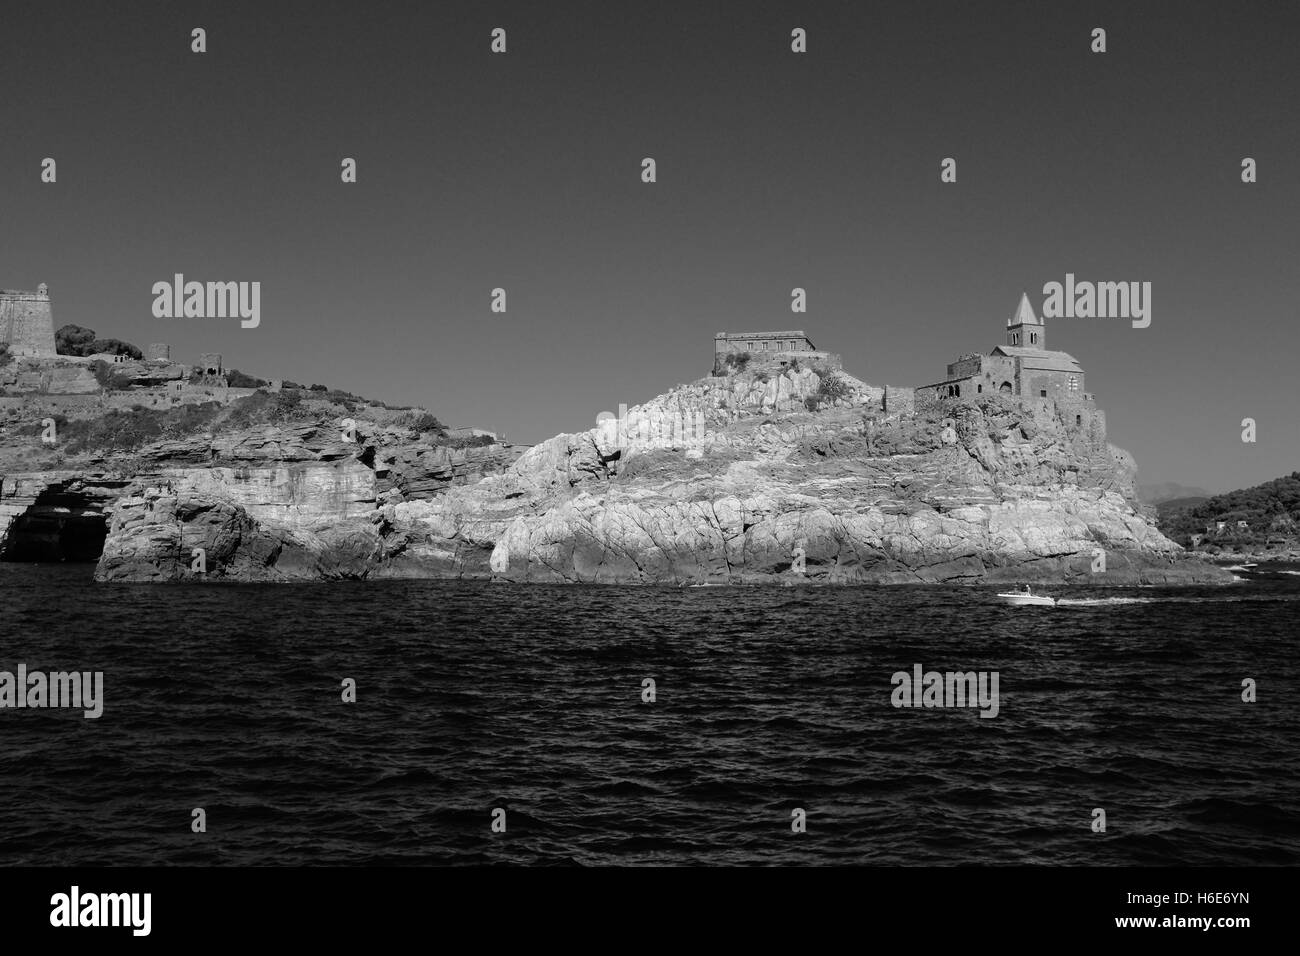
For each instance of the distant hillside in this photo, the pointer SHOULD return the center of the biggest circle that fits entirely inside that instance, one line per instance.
(1270, 510)
(1156, 494)
(1168, 507)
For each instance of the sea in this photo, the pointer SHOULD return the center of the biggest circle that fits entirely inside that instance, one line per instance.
(452, 723)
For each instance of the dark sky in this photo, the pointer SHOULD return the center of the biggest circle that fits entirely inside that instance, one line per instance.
(775, 170)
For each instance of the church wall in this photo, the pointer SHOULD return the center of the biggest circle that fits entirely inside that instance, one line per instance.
(1055, 384)
(968, 366)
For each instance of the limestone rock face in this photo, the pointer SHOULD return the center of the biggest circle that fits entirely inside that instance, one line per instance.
(72, 380)
(156, 535)
(267, 503)
(728, 479)
(304, 506)
(732, 480)
(149, 373)
(53, 376)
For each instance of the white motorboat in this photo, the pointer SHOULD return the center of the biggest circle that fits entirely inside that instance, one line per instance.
(1026, 597)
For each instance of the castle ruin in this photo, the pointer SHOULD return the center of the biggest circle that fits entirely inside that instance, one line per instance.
(26, 322)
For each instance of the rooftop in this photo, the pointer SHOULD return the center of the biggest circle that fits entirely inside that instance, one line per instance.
(1024, 314)
(1041, 358)
(760, 335)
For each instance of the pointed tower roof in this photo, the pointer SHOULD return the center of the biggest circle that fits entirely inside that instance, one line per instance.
(1024, 313)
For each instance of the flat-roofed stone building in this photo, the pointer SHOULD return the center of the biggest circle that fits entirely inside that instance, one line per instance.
(758, 342)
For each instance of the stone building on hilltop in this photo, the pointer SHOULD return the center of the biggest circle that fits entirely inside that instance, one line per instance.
(761, 342)
(776, 348)
(26, 322)
(1026, 369)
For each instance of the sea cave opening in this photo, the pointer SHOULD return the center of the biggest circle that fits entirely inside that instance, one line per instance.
(59, 526)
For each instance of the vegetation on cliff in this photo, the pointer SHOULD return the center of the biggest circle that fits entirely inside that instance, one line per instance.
(108, 377)
(830, 390)
(76, 340)
(124, 431)
(1271, 511)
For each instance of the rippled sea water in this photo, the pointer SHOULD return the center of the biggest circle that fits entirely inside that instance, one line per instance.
(472, 696)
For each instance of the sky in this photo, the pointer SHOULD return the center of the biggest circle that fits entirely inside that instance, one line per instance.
(775, 170)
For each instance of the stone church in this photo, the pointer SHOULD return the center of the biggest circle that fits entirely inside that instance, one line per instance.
(1024, 368)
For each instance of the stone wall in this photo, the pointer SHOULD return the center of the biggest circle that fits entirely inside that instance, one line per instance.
(1081, 414)
(968, 366)
(755, 342)
(26, 323)
(813, 359)
(1056, 384)
(899, 400)
(56, 377)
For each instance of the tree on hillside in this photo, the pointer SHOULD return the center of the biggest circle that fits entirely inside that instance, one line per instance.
(237, 379)
(1260, 505)
(831, 389)
(74, 340)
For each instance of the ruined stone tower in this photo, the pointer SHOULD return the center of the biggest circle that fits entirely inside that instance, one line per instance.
(26, 323)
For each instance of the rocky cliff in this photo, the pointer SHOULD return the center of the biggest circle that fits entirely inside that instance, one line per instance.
(298, 498)
(745, 477)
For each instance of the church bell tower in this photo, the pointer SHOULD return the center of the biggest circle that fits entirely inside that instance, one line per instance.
(1024, 329)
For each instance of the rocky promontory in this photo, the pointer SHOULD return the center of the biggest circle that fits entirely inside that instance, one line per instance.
(756, 475)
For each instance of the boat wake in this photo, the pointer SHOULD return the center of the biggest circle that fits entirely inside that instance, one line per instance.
(1100, 602)
(1103, 602)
